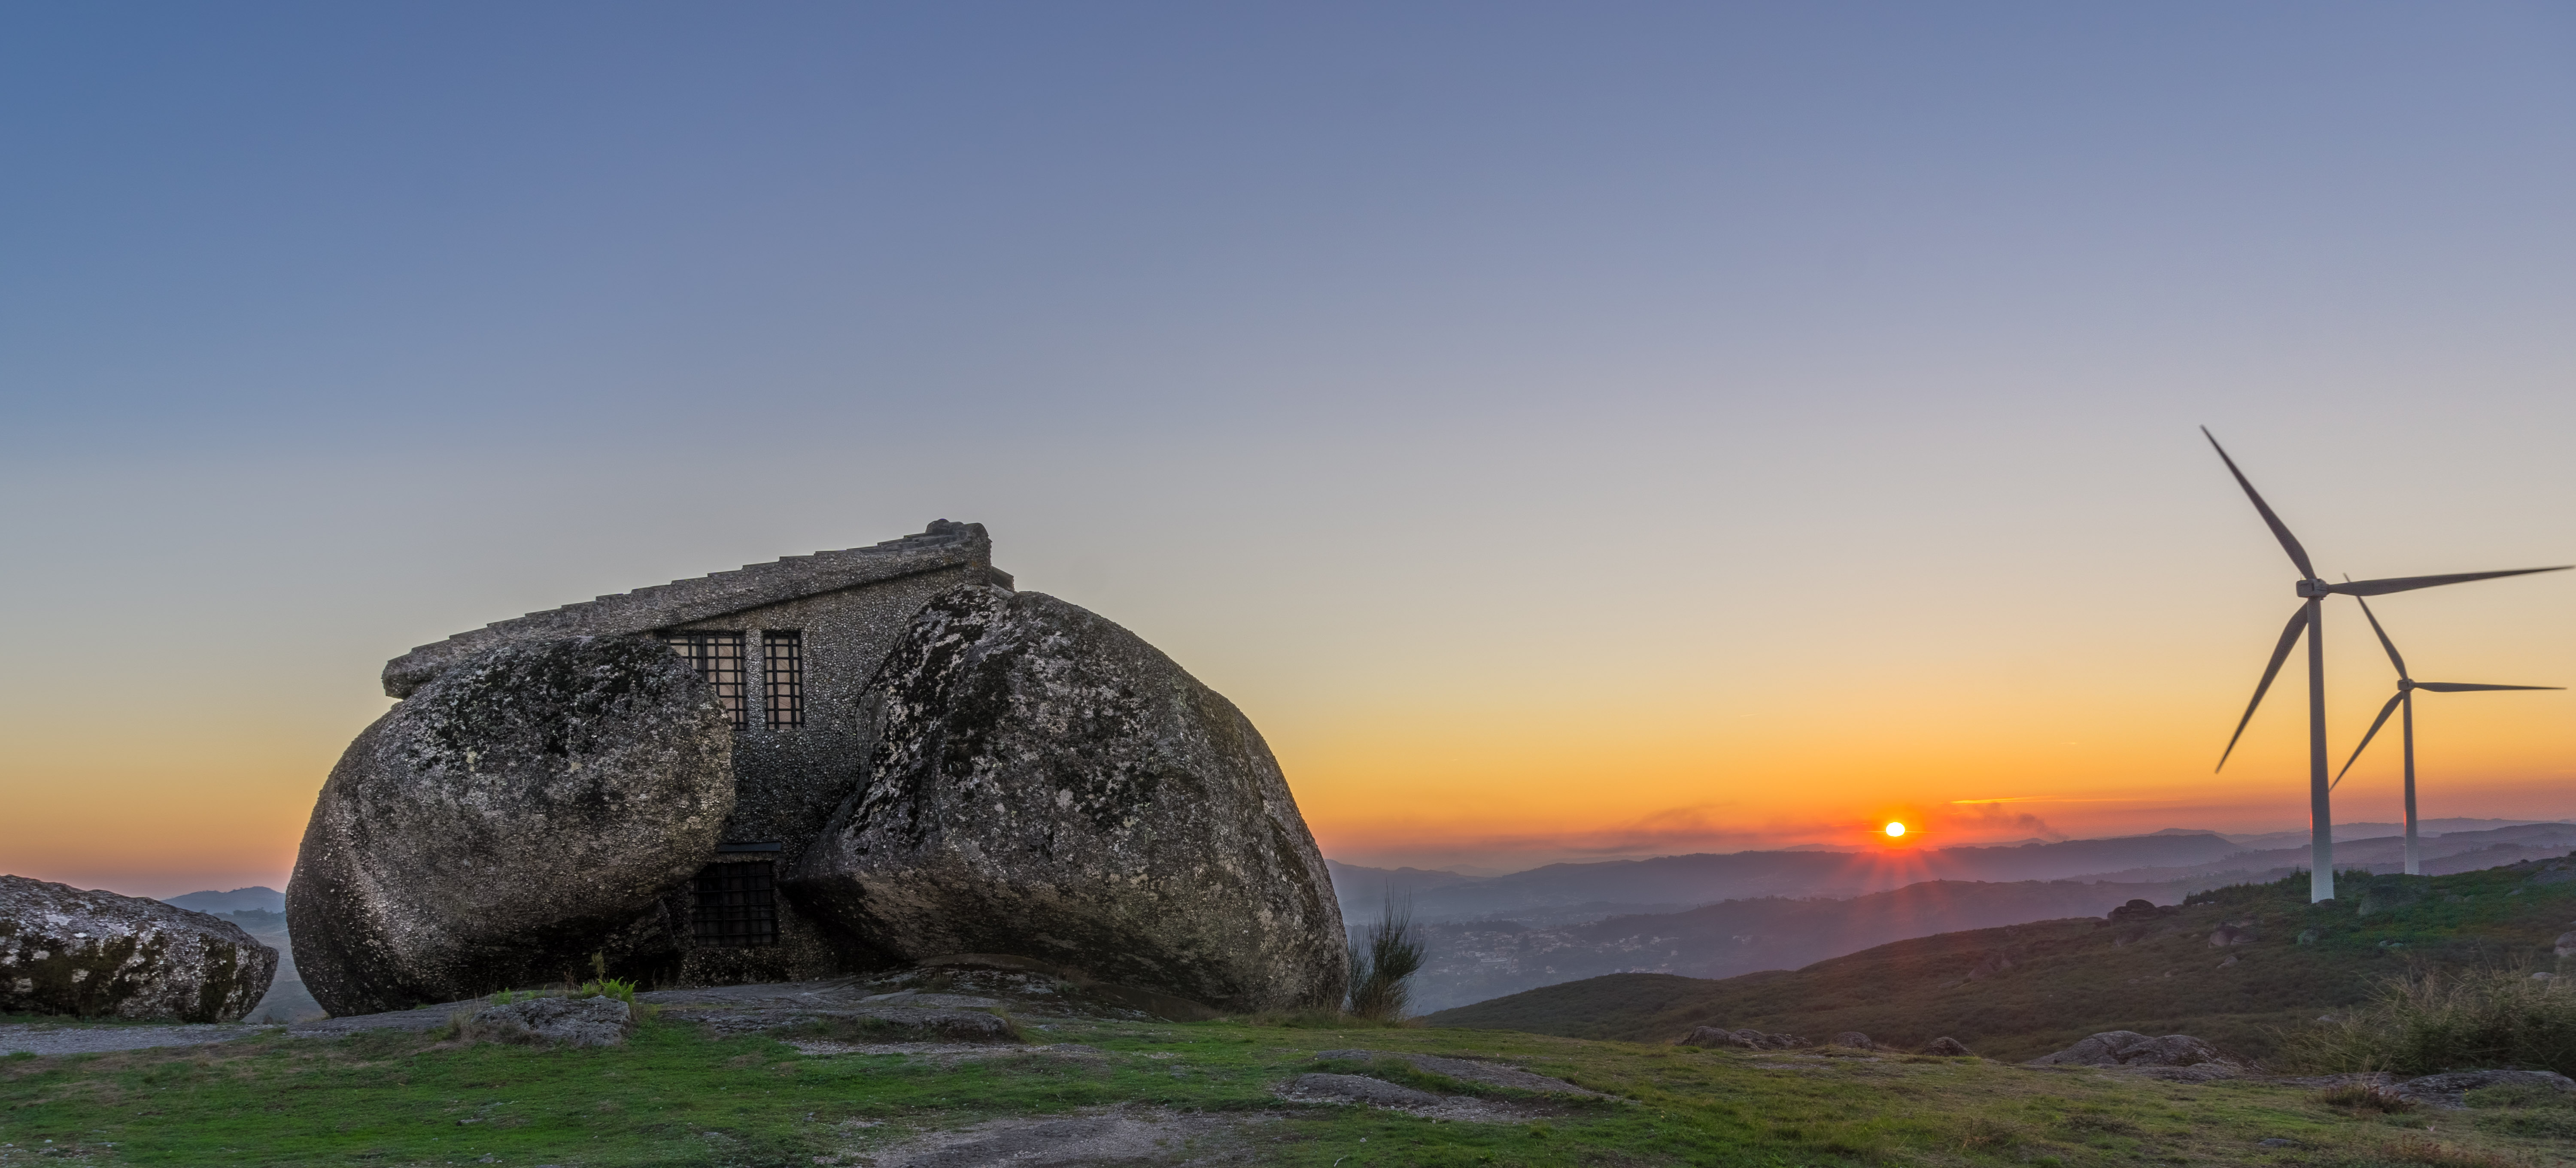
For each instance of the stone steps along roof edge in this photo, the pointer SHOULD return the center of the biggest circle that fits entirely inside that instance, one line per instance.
(942, 545)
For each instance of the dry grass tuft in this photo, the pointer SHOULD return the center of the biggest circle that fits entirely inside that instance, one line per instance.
(2430, 1020)
(1977, 1133)
(2434, 1153)
(2365, 1098)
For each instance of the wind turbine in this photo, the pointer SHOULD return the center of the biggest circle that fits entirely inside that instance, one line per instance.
(2310, 619)
(2406, 687)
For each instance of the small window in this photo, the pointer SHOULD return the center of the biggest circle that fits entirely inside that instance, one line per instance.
(736, 907)
(718, 658)
(782, 677)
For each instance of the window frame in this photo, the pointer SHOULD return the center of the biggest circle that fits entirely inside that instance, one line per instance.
(733, 904)
(727, 674)
(782, 678)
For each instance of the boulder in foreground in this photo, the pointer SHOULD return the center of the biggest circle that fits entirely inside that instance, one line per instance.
(520, 811)
(1048, 787)
(101, 955)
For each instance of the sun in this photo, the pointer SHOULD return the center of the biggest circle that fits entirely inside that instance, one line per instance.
(1895, 829)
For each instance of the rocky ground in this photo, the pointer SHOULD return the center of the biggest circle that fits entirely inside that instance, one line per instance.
(964, 1068)
(906, 1012)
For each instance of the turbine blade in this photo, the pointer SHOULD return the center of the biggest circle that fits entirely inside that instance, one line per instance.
(2465, 687)
(2280, 653)
(2384, 642)
(2376, 723)
(2410, 583)
(2289, 542)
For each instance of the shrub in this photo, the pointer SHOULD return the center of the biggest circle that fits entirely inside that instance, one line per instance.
(1382, 961)
(2431, 1020)
(608, 987)
(2436, 1154)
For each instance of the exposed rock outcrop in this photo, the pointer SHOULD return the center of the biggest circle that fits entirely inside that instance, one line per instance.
(1854, 1040)
(1465, 1071)
(101, 955)
(1747, 1039)
(1358, 1089)
(1947, 1048)
(516, 813)
(2128, 1048)
(2450, 1088)
(596, 1021)
(2135, 910)
(1048, 787)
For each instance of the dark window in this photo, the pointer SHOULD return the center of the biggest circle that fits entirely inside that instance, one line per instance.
(736, 907)
(718, 657)
(782, 677)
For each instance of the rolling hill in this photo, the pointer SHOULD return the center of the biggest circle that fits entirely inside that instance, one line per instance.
(1468, 961)
(2017, 992)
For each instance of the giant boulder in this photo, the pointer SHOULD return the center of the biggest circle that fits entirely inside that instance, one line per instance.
(100, 955)
(1048, 787)
(519, 812)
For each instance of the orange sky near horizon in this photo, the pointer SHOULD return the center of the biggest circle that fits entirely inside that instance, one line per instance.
(1587, 748)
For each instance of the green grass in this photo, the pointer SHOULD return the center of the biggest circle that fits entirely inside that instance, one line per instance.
(676, 1096)
(2070, 978)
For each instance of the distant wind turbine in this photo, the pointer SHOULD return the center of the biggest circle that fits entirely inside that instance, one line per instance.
(2310, 619)
(2406, 687)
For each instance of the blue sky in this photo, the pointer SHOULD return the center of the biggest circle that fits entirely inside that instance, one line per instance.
(1439, 381)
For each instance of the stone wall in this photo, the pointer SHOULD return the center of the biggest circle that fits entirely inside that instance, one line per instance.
(789, 781)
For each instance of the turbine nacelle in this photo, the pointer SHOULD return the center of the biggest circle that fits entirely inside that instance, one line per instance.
(2313, 589)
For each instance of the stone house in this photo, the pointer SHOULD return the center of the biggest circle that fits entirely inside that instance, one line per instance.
(790, 646)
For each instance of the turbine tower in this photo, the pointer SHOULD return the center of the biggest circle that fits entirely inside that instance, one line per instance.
(2406, 687)
(2310, 619)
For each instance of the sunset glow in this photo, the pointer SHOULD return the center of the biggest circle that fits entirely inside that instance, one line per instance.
(1895, 829)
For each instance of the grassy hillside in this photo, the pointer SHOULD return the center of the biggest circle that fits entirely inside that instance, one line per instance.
(2021, 991)
(1470, 961)
(1159, 1093)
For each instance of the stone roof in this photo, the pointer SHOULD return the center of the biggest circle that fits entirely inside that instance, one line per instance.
(942, 545)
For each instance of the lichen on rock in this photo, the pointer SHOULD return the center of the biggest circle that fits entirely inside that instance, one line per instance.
(1047, 786)
(96, 954)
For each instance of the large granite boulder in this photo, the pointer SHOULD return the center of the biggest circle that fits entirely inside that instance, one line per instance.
(519, 812)
(1048, 787)
(100, 955)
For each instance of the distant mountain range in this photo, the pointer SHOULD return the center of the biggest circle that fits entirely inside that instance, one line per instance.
(1565, 893)
(258, 898)
(1716, 916)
